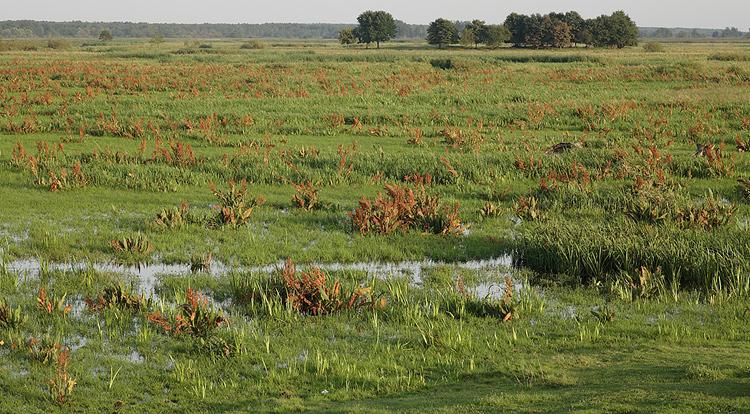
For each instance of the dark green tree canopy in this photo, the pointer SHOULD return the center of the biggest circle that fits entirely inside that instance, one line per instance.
(478, 29)
(565, 29)
(375, 27)
(617, 30)
(442, 32)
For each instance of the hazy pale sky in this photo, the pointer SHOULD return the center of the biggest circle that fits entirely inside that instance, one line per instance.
(672, 13)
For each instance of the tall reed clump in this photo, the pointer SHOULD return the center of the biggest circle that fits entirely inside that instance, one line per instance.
(592, 251)
(406, 209)
(235, 206)
(11, 318)
(662, 206)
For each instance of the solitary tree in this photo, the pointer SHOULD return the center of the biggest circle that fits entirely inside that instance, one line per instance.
(347, 37)
(105, 35)
(441, 33)
(375, 27)
(496, 35)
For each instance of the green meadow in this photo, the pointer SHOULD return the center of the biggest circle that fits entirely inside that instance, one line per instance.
(219, 226)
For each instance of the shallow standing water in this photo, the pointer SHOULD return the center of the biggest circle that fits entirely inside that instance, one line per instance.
(147, 274)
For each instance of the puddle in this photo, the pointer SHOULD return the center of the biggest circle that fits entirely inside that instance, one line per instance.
(136, 358)
(147, 274)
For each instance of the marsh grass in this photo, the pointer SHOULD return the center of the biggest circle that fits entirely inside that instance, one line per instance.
(638, 226)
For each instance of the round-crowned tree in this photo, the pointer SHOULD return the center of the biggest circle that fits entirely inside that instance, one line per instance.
(442, 32)
(375, 27)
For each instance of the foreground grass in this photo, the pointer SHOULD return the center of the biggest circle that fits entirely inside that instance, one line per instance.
(421, 352)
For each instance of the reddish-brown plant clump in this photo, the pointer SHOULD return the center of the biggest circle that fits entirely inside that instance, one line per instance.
(194, 318)
(306, 197)
(404, 209)
(311, 293)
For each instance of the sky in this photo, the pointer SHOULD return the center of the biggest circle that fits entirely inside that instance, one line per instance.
(660, 13)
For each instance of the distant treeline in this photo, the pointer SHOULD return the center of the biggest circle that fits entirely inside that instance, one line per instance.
(32, 29)
(88, 30)
(680, 33)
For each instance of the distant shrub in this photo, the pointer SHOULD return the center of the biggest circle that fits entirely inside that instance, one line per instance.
(205, 46)
(547, 58)
(58, 44)
(105, 36)
(253, 44)
(653, 47)
(444, 64)
(730, 57)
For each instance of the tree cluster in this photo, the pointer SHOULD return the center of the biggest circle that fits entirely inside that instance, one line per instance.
(442, 32)
(567, 29)
(538, 31)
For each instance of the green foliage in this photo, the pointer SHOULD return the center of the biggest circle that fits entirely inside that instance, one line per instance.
(617, 30)
(157, 39)
(564, 29)
(730, 57)
(442, 32)
(11, 318)
(347, 36)
(138, 245)
(474, 33)
(235, 208)
(118, 297)
(468, 37)
(496, 35)
(375, 27)
(444, 64)
(105, 36)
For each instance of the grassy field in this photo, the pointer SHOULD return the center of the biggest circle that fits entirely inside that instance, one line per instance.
(150, 195)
